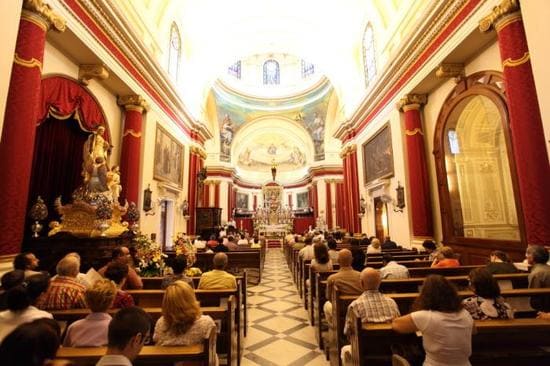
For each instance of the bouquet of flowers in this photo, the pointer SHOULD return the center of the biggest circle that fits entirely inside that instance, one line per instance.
(184, 246)
(150, 257)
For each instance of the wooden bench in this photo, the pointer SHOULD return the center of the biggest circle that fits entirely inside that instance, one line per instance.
(404, 301)
(237, 261)
(227, 340)
(200, 354)
(497, 342)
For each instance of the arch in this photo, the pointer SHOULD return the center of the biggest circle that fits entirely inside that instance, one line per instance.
(369, 54)
(174, 51)
(476, 170)
(62, 97)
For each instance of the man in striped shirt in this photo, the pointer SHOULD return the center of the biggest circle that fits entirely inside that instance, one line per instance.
(64, 292)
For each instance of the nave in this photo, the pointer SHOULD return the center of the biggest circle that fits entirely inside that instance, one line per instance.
(279, 332)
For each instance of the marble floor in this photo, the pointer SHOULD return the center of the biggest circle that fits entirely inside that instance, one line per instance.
(279, 332)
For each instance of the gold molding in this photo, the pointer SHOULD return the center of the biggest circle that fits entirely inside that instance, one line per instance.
(490, 21)
(414, 132)
(86, 72)
(509, 62)
(412, 101)
(133, 102)
(46, 12)
(132, 133)
(27, 63)
(347, 150)
(198, 151)
(450, 70)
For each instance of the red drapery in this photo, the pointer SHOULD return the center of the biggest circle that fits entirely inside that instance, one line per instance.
(64, 97)
(329, 205)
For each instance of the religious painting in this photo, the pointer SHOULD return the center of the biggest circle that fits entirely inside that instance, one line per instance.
(378, 156)
(242, 201)
(168, 161)
(302, 200)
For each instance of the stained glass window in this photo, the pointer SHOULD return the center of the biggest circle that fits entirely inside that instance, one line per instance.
(307, 69)
(272, 75)
(235, 69)
(369, 55)
(174, 52)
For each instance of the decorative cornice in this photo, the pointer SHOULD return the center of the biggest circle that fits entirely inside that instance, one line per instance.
(347, 150)
(45, 12)
(92, 71)
(412, 101)
(450, 70)
(506, 7)
(133, 102)
(198, 151)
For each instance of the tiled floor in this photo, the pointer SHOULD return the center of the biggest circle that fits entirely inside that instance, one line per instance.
(279, 332)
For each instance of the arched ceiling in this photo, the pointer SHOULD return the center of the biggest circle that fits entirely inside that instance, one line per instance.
(326, 33)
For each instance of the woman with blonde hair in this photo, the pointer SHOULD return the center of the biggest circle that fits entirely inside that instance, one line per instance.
(374, 247)
(181, 323)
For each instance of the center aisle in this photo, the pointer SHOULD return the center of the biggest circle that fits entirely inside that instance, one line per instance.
(279, 332)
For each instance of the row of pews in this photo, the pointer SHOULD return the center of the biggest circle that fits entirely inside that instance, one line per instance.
(227, 308)
(371, 343)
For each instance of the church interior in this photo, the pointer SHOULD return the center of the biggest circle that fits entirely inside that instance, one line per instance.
(163, 125)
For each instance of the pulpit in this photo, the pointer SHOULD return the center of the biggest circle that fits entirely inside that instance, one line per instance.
(207, 218)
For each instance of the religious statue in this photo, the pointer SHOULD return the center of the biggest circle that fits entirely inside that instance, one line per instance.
(113, 179)
(97, 176)
(95, 147)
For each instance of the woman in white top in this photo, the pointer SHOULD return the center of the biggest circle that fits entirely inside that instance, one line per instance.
(446, 327)
(242, 240)
(182, 323)
(374, 247)
(20, 300)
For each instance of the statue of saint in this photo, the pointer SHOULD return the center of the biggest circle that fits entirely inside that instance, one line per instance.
(95, 147)
(97, 172)
(113, 178)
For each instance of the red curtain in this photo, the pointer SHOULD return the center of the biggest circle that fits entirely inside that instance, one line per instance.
(56, 170)
(64, 97)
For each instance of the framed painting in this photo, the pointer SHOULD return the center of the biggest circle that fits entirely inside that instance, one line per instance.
(242, 201)
(168, 165)
(378, 156)
(302, 200)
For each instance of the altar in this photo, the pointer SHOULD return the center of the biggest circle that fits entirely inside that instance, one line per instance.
(274, 230)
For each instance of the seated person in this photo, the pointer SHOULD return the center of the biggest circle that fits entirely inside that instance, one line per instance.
(231, 243)
(430, 248)
(487, 302)
(178, 265)
(218, 278)
(392, 270)
(221, 247)
(388, 244)
(321, 261)
(256, 243)
(374, 247)
(332, 250)
(499, 263)
(182, 323)
(31, 344)
(446, 258)
(64, 292)
(118, 273)
(298, 243)
(80, 277)
(346, 279)
(122, 255)
(359, 257)
(10, 279)
(128, 332)
(212, 242)
(27, 262)
(242, 240)
(446, 327)
(20, 300)
(539, 277)
(306, 253)
(92, 330)
(371, 306)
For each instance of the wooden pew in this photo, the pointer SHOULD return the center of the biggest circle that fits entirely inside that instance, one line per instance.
(227, 340)
(404, 301)
(497, 342)
(237, 261)
(200, 354)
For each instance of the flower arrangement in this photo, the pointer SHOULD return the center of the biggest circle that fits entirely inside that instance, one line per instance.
(184, 246)
(150, 257)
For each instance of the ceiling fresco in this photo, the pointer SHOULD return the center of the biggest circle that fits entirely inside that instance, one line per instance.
(309, 110)
(268, 150)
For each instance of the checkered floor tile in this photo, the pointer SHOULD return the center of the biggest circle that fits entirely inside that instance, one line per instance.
(279, 332)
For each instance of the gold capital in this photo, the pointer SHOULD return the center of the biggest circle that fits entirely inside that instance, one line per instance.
(45, 12)
(450, 70)
(412, 101)
(92, 71)
(133, 102)
(506, 7)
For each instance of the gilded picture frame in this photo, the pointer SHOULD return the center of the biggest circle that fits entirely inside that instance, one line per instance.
(168, 162)
(378, 156)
